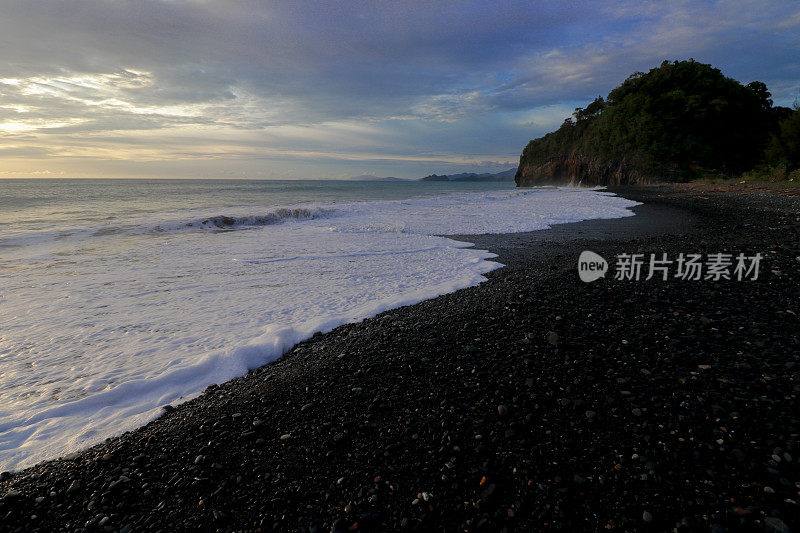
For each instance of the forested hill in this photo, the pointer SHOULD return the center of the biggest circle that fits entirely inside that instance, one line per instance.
(678, 121)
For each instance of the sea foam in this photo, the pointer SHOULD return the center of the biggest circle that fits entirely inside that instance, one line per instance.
(102, 326)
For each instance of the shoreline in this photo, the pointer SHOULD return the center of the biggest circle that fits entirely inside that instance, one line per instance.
(231, 329)
(376, 424)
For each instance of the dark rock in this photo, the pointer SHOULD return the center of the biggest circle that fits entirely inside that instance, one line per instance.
(11, 496)
(775, 525)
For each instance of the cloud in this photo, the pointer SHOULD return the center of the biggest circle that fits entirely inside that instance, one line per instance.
(148, 81)
(743, 42)
(26, 152)
(547, 117)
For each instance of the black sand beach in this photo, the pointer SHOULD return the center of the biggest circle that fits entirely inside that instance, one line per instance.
(531, 402)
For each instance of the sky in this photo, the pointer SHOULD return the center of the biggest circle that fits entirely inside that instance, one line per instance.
(259, 89)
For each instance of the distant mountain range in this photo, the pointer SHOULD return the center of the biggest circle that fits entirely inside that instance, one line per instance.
(506, 175)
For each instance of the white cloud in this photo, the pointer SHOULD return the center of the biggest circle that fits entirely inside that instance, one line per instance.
(545, 118)
(449, 107)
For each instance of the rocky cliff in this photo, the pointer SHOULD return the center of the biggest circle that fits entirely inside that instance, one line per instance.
(577, 169)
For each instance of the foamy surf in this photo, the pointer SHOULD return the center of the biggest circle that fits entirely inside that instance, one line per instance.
(101, 332)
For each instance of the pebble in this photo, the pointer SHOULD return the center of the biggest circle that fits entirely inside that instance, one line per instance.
(647, 517)
(552, 338)
(775, 525)
(502, 410)
(11, 496)
(286, 436)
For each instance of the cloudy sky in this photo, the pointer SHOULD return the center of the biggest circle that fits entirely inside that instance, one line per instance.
(212, 88)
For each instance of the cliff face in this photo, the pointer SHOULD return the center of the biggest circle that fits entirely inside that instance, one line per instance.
(577, 169)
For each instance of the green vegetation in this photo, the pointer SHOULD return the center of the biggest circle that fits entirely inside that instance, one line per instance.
(782, 157)
(682, 120)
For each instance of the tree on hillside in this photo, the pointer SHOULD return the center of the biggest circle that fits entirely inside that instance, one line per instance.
(591, 111)
(784, 146)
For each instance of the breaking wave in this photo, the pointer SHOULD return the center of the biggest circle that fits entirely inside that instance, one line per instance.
(276, 217)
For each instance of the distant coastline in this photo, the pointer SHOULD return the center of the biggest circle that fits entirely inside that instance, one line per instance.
(505, 175)
(370, 177)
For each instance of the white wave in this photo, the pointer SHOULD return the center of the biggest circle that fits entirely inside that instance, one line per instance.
(98, 335)
(275, 217)
(45, 238)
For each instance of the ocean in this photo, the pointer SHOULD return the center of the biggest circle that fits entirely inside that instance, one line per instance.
(118, 297)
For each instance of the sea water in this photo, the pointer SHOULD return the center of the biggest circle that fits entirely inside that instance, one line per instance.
(118, 297)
